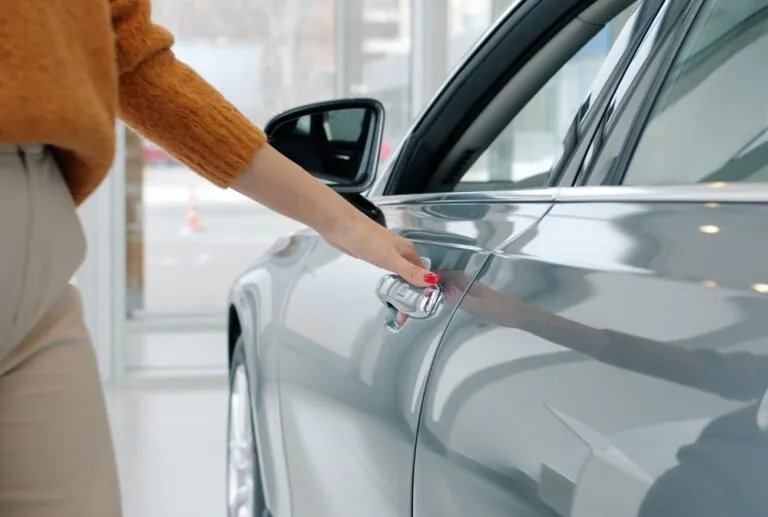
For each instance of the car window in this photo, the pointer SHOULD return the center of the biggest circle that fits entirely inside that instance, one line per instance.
(523, 155)
(709, 120)
(651, 41)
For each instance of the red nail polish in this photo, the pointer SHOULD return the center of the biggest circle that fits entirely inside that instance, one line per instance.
(431, 278)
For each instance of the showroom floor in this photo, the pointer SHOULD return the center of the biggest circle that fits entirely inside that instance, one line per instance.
(170, 446)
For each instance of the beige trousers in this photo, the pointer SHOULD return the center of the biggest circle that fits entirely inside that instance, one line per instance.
(56, 457)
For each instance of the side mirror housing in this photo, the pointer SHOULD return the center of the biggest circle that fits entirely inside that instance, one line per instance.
(336, 141)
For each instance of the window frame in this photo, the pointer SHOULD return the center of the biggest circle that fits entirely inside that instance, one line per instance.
(590, 109)
(596, 157)
(624, 131)
(589, 113)
(412, 151)
(572, 166)
(587, 123)
(474, 83)
(641, 121)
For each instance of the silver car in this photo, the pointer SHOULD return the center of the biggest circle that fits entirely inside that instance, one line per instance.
(598, 342)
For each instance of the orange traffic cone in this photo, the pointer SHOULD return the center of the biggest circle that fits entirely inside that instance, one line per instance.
(192, 224)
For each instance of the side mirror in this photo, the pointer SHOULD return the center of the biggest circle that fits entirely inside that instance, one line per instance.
(336, 141)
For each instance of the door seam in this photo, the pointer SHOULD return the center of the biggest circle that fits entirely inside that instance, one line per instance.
(445, 328)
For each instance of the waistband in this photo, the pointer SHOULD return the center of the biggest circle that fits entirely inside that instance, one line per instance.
(28, 149)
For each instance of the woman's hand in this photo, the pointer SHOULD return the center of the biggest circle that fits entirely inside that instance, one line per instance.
(366, 240)
(276, 182)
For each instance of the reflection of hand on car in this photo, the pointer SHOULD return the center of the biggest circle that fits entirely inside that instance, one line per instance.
(736, 375)
(717, 473)
(482, 301)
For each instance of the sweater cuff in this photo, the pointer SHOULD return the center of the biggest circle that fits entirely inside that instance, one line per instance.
(169, 103)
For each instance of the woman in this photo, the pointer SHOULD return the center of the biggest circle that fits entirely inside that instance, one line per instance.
(68, 69)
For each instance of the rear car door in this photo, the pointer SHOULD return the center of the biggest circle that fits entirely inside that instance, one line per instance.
(354, 355)
(613, 361)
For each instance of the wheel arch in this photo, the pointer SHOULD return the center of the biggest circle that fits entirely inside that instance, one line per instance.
(234, 331)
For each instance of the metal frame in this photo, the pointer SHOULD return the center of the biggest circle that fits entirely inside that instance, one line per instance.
(700, 193)
(429, 51)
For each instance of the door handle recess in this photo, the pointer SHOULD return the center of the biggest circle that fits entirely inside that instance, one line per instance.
(404, 299)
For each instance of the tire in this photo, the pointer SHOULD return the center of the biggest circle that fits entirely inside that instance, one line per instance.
(245, 494)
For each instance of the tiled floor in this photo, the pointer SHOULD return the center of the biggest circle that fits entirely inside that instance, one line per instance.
(170, 445)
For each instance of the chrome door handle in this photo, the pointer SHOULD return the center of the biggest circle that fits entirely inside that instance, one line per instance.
(402, 298)
(415, 302)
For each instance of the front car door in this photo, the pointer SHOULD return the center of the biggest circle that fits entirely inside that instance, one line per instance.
(613, 362)
(352, 362)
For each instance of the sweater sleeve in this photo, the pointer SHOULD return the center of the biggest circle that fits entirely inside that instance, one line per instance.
(170, 104)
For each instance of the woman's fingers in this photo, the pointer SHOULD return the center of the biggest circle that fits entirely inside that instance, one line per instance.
(414, 274)
(407, 263)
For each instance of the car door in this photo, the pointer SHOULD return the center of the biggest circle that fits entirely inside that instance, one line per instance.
(612, 361)
(353, 363)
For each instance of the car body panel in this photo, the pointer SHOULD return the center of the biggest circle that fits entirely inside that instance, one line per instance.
(257, 300)
(336, 395)
(350, 388)
(543, 386)
(591, 353)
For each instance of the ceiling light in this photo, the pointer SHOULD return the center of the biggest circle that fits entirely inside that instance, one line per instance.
(709, 229)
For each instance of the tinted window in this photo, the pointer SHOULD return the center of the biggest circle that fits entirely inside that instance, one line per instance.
(525, 152)
(709, 120)
(663, 21)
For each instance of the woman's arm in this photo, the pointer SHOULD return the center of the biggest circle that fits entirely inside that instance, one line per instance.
(166, 101)
(276, 182)
(169, 103)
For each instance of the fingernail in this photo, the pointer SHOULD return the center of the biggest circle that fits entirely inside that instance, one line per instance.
(431, 278)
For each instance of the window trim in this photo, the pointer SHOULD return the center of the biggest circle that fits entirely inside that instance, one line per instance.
(591, 108)
(697, 193)
(571, 166)
(642, 116)
(495, 59)
(545, 194)
(641, 93)
(561, 172)
(640, 120)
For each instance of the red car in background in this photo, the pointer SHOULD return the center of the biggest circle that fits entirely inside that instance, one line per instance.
(385, 150)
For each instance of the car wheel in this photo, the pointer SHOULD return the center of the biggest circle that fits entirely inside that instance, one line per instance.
(245, 496)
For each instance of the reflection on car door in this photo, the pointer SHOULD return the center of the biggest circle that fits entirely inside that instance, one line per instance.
(350, 384)
(583, 365)
(613, 361)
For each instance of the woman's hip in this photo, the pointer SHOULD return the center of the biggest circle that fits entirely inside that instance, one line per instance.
(41, 239)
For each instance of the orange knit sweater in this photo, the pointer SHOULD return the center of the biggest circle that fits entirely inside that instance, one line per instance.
(69, 68)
